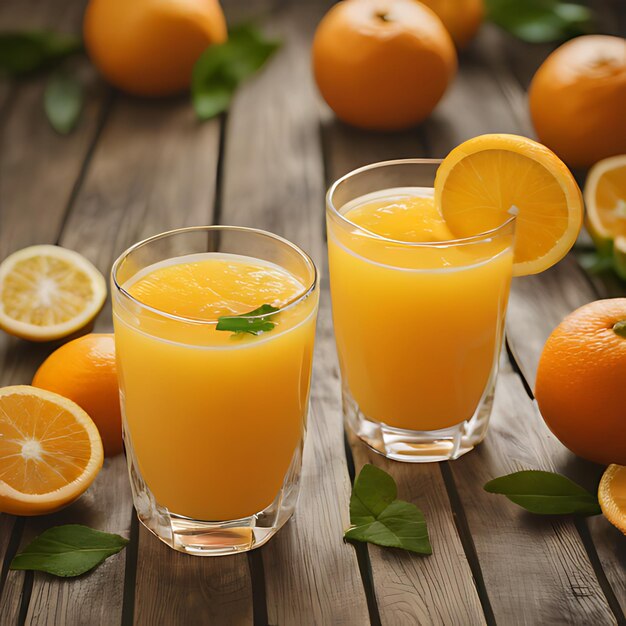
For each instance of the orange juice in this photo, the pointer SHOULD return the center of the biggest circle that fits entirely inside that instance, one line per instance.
(214, 419)
(418, 327)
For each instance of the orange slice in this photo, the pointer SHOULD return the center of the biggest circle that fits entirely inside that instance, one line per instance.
(605, 200)
(485, 180)
(612, 495)
(50, 451)
(48, 292)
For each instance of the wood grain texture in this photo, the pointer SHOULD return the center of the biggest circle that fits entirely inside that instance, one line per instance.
(522, 555)
(33, 213)
(486, 83)
(273, 179)
(538, 306)
(38, 167)
(162, 179)
(409, 589)
(538, 303)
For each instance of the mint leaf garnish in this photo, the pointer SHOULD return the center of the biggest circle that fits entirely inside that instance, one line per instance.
(222, 67)
(378, 517)
(69, 550)
(254, 322)
(545, 493)
(63, 101)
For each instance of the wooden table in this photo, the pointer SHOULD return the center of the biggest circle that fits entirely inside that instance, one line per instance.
(134, 168)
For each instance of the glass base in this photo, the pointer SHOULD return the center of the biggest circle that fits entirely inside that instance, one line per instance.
(416, 446)
(214, 538)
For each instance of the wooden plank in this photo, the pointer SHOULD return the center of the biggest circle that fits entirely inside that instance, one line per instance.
(162, 179)
(531, 298)
(31, 150)
(404, 583)
(39, 167)
(539, 306)
(535, 569)
(273, 179)
(538, 303)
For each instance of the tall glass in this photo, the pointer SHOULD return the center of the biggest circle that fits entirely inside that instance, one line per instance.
(418, 326)
(214, 422)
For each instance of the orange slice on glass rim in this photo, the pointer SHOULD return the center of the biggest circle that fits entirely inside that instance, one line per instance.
(485, 180)
(50, 451)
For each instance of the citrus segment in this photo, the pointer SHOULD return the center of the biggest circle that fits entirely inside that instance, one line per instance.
(605, 199)
(486, 180)
(48, 292)
(50, 451)
(612, 495)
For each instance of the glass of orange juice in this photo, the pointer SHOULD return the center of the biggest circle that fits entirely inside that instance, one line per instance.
(418, 314)
(214, 330)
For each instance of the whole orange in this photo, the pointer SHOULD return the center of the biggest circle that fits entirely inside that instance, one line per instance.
(578, 99)
(382, 64)
(581, 381)
(462, 18)
(84, 371)
(149, 47)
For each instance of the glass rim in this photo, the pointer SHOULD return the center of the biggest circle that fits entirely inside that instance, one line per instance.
(214, 228)
(334, 211)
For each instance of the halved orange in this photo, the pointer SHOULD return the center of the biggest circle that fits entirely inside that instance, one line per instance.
(485, 180)
(605, 200)
(50, 451)
(48, 292)
(612, 495)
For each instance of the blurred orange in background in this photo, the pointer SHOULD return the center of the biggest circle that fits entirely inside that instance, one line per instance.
(462, 18)
(382, 64)
(148, 47)
(578, 99)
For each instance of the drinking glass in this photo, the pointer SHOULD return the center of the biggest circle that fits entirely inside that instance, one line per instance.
(214, 423)
(418, 326)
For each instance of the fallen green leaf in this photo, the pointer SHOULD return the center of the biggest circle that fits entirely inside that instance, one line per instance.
(540, 21)
(63, 101)
(378, 517)
(25, 52)
(69, 550)
(546, 493)
(221, 68)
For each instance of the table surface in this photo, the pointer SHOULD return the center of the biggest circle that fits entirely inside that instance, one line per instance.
(134, 168)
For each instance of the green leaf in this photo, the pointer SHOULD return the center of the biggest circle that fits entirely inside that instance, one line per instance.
(221, 68)
(69, 550)
(63, 101)
(254, 322)
(596, 262)
(545, 493)
(540, 21)
(378, 517)
(25, 52)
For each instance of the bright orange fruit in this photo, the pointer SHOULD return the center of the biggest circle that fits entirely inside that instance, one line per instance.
(382, 65)
(612, 495)
(578, 97)
(84, 371)
(462, 18)
(581, 381)
(149, 47)
(489, 178)
(50, 451)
